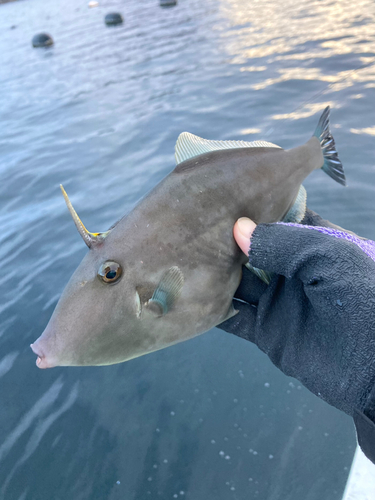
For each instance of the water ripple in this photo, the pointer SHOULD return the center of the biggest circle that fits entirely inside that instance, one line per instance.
(100, 112)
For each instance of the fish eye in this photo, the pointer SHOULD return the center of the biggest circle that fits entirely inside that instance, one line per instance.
(110, 272)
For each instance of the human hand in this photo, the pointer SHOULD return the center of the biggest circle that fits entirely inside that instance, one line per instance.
(316, 319)
(242, 232)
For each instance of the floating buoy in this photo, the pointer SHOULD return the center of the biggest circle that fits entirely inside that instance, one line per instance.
(168, 3)
(113, 18)
(42, 40)
(93, 3)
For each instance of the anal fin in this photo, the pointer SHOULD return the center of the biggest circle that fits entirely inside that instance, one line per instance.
(263, 275)
(232, 312)
(295, 214)
(297, 211)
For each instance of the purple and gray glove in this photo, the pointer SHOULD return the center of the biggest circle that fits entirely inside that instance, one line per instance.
(316, 318)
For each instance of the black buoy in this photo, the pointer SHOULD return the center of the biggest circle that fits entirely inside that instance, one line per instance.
(42, 40)
(113, 18)
(168, 3)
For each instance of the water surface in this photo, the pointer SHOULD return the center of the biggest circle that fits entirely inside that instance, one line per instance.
(100, 112)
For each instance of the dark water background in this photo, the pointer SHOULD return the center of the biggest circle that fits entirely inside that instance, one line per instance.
(100, 112)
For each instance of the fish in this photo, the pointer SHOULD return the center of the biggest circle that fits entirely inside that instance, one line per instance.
(168, 270)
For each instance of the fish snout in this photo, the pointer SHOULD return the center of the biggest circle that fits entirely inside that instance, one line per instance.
(44, 359)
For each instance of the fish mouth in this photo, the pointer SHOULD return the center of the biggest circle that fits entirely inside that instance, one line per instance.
(42, 361)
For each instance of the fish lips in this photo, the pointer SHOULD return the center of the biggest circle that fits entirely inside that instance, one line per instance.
(44, 360)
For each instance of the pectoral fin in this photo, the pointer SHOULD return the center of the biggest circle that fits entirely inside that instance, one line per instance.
(167, 292)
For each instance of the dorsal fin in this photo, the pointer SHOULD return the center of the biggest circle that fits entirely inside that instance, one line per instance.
(190, 145)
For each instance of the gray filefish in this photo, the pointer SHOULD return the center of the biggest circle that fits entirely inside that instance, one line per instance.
(168, 270)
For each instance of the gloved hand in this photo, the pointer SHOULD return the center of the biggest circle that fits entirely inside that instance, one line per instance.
(316, 318)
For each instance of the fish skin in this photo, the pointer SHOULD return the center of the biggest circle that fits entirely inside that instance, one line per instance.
(185, 221)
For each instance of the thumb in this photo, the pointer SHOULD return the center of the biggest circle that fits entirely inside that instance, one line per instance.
(242, 232)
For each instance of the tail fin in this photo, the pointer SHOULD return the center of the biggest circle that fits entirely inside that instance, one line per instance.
(332, 164)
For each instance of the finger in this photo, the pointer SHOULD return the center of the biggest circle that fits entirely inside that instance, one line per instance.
(242, 231)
